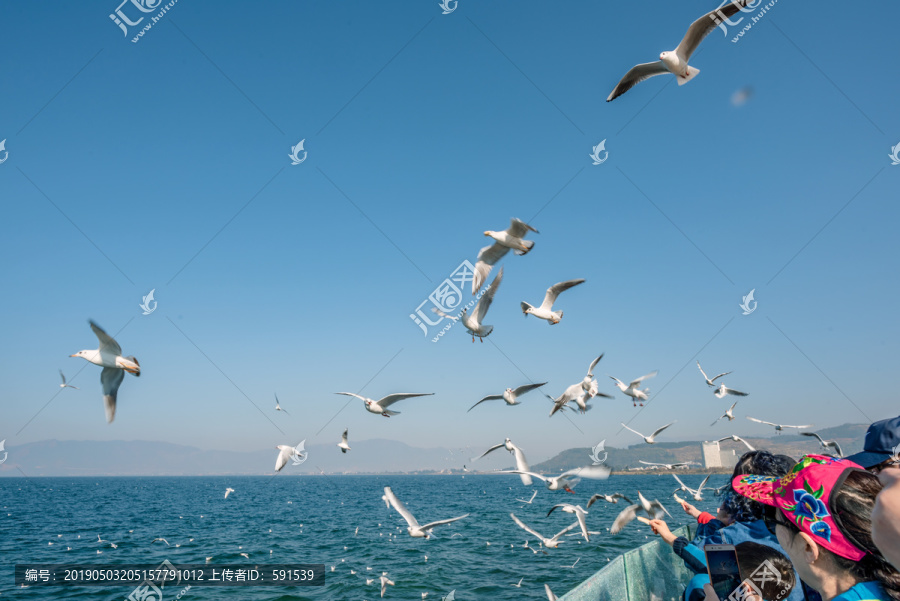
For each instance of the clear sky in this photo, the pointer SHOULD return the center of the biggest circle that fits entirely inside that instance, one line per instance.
(163, 164)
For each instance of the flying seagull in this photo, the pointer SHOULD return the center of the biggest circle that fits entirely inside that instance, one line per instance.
(652, 438)
(521, 463)
(826, 444)
(380, 407)
(613, 498)
(778, 427)
(414, 529)
(510, 395)
(737, 438)
(668, 466)
(588, 384)
(545, 311)
(474, 323)
(228, 491)
(385, 581)
(696, 493)
(710, 382)
(633, 389)
(654, 509)
(109, 357)
(278, 406)
(64, 385)
(676, 61)
(343, 444)
(580, 514)
(722, 390)
(729, 414)
(550, 543)
(567, 480)
(488, 256)
(286, 452)
(528, 502)
(576, 393)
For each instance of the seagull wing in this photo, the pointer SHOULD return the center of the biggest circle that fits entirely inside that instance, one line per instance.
(111, 378)
(636, 75)
(705, 377)
(487, 258)
(837, 448)
(431, 525)
(759, 421)
(658, 430)
(550, 595)
(806, 426)
(399, 396)
(561, 532)
(524, 527)
(519, 228)
(703, 484)
(362, 398)
(637, 381)
(493, 448)
(484, 303)
(625, 516)
(701, 28)
(400, 507)
(594, 499)
(590, 372)
(679, 481)
(344, 436)
(521, 462)
(107, 343)
(813, 434)
(284, 453)
(555, 290)
(734, 392)
(490, 397)
(720, 375)
(532, 474)
(524, 389)
(61, 375)
(635, 431)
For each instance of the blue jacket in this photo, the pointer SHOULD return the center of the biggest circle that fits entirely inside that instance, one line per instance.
(864, 591)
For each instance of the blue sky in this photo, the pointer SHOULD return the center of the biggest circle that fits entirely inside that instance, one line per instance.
(164, 165)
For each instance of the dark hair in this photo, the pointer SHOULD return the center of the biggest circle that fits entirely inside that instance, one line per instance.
(852, 503)
(752, 556)
(760, 463)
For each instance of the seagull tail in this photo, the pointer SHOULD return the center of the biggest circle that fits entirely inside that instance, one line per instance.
(691, 74)
(528, 244)
(525, 306)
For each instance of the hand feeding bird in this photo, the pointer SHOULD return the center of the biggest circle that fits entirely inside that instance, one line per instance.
(545, 311)
(512, 238)
(109, 357)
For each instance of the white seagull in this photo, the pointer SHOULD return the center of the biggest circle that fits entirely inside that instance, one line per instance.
(654, 509)
(652, 438)
(528, 502)
(588, 384)
(385, 581)
(722, 390)
(826, 444)
(696, 493)
(414, 529)
(676, 61)
(632, 389)
(474, 323)
(567, 480)
(729, 414)
(380, 407)
(550, 543)
(576, 393)
(343, 444)
(613, 498)
(109, 357)
(488, 256)
(286, 452)
(510, 395)
(521, 463)
(550, 595)
(278, 406)
(64, 385)
(580, 514)
(710, 382)
(545, 311)
(778, 427)
(737, 438)
(228, 491)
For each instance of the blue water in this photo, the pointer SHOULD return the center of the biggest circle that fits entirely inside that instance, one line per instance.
(312, 519)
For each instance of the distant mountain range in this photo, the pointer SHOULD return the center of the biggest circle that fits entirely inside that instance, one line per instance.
(145, 458)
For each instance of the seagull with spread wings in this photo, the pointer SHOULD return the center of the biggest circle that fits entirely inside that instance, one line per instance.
(697, 493)
(676, 61)
(550, 543)
(633, 389)
(109, 357)
(826, 444)
(510, 395)
(729, 414)
(652, 438)
(521, 463)
(710, 381)
(580, 514)
(778, 427)
(414, 529)
(567, 480)
(380, 407)
(545, 311)
(512, 238)
(64, 384)
(668, 466)
(613, 498)
(737, 438)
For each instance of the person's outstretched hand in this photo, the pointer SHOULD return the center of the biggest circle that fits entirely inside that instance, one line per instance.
(662, 529)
